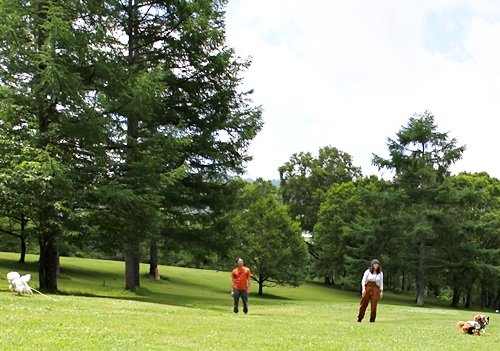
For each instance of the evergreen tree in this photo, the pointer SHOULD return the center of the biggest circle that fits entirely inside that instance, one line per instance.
(471, 250)
(179, 113)
(116, 107)
(421, 158)
(51, 130)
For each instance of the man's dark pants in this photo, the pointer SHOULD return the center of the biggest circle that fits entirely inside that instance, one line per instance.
(244, 297)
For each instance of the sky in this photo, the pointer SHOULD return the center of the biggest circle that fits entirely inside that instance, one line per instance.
(350, 74)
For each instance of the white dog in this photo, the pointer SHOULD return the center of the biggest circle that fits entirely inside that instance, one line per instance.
(20, 284)
(11, 276)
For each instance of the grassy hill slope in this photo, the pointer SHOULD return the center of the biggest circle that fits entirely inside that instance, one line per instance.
(191, 309)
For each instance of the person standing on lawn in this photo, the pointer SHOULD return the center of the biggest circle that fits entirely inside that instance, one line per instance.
(372, 290)
(240, 286)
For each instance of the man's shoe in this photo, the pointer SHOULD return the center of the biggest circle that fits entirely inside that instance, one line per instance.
(359, 320)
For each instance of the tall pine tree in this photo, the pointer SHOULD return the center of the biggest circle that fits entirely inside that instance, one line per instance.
(421, 158)
(51, 127)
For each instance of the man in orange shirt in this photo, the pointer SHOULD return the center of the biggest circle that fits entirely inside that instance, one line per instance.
(241, 285)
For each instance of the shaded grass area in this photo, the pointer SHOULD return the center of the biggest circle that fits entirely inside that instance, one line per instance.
(190, 309)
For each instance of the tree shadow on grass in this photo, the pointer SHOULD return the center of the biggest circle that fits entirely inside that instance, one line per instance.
(271, 297)
(209, 301)
(20, 267)
(174, 294)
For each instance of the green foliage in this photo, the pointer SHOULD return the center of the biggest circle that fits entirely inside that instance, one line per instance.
(271, 243)
(434, 233)
(421, 158)
(50, 125)
(120, 120)
(473, 246)
(179, 99)
(342, 204)
(305, 180)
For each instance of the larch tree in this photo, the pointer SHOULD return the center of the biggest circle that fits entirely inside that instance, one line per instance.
(52, 131)
(420, 159)
(181, 120)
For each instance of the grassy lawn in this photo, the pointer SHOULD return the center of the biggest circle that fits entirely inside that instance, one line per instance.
(191, 309)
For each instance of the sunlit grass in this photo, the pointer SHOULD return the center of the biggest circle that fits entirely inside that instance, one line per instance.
(190, 309)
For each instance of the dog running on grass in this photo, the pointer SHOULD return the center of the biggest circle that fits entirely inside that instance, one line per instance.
(19, 283)
(476, 326)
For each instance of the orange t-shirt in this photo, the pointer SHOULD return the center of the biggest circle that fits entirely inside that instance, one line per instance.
(241, 277)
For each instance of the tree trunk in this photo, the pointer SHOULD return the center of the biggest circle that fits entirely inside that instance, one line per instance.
(456, 297)
(261, 285)
(436, 290)
(484, 294)
(49, 262)
(132, 265)
(137, 266)
(468, 300)
(153, 260)
(22, 257)
(132, 256)
(421, 272)
(47, 236)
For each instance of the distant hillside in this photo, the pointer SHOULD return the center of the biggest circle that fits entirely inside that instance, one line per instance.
(274, 181)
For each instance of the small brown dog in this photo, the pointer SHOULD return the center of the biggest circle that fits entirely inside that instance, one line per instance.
(476, 326)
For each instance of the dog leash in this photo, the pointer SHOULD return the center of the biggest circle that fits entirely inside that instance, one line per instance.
(43, 294)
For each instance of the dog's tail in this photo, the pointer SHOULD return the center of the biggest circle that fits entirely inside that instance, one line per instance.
(460, 324)
(26, 278)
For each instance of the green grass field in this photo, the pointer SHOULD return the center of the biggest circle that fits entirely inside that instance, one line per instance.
(191, 309)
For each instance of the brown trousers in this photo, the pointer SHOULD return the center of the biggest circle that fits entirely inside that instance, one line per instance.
(372, 294)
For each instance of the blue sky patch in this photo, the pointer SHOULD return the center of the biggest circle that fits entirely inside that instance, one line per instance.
(445, 30)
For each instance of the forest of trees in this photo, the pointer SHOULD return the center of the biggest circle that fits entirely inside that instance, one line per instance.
(435, 233)
(124, 131)
(121, 122)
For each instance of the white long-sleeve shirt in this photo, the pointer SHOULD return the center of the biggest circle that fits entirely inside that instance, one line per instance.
(370, 277)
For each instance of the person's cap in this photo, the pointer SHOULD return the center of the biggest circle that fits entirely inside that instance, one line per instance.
(375, 261)
(239, 258)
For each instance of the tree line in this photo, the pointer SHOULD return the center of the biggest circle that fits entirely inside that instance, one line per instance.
(435, 233)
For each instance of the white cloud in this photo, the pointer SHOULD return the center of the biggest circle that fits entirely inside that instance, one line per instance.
(350, 73)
